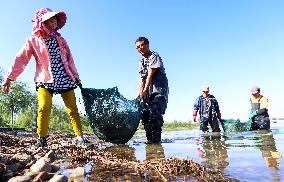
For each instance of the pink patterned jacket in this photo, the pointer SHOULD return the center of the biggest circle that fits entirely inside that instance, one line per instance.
(35, 46)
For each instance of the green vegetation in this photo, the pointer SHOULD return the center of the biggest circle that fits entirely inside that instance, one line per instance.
(175, 125)
(18, 109)
(179, 125)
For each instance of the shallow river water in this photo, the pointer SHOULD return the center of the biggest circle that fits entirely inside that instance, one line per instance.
(247, 156)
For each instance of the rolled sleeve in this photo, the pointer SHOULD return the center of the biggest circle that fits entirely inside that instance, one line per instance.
(155, 62)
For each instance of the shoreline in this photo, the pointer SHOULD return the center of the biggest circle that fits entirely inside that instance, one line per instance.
(18, 156)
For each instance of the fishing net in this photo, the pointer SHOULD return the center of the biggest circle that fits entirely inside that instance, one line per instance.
(232, 125)
(113, 118)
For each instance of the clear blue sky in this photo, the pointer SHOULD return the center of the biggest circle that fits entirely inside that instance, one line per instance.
(229, 45)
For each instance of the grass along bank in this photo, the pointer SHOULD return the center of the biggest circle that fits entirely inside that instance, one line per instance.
(168, 126)
(175, 125)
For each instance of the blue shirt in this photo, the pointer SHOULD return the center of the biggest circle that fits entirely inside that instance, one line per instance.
(206, 106)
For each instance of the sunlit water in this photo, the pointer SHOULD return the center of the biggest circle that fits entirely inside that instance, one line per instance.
(247, 156)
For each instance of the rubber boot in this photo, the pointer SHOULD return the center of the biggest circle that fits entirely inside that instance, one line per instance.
(204, 125)
(149, 136)
(156, 136)
(215, 126)
(148, 130)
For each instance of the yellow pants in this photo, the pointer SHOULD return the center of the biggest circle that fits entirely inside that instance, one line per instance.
(44, 110)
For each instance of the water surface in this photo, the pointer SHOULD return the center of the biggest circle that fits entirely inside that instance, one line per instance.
(247, 156)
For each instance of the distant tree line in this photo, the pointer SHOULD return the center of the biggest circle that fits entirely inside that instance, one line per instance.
(18, 108)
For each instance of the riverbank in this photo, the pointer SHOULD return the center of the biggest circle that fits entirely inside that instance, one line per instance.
(20, 159)
(176, 125)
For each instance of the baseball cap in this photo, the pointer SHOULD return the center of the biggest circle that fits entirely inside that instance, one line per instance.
(205, 88)
(255, 89)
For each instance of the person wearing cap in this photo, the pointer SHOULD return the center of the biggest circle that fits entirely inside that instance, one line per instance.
(55, 70)
(153, 90)
(259, 110)
(209, 111)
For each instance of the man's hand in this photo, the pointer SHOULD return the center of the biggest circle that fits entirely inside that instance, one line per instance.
(194, 118)
(194, 115)
(219, 115)
(143, 95)
(252, 114)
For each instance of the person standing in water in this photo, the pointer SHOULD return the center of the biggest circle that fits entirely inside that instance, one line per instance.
(209, 111)
(259, 110)
(153, 89)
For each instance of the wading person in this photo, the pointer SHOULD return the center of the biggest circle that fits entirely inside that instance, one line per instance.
(209, 111)
(153, 89)
(259, 110)
(55, 71)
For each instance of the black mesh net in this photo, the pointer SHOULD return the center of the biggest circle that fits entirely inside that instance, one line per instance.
(113, 118)
(235, 125)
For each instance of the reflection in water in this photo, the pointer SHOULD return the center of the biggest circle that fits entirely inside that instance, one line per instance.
(248, 156)
(122, 152)
(212, 150)
(154, 151)
(266, 143)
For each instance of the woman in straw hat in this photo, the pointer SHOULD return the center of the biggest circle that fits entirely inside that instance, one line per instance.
(55, 70)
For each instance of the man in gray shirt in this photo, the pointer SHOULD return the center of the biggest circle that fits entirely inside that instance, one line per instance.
(153, 89)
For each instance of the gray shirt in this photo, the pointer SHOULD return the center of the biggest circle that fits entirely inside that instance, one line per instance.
(159, 82)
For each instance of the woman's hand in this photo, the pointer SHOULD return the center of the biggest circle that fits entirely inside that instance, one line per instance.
(6, 86)
(77, 81)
